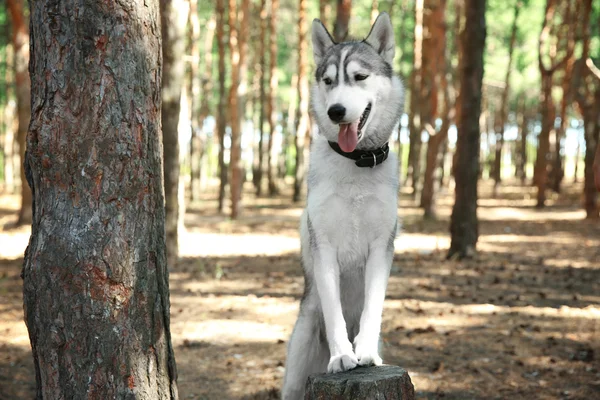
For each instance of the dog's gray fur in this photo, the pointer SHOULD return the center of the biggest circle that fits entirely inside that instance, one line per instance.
(350, 221)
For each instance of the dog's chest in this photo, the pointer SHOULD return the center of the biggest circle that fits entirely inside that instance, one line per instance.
(351, 216)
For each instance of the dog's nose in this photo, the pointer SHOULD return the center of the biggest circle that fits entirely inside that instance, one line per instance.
(336, 112)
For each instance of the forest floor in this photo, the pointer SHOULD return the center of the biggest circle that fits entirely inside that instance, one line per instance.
(520, 321)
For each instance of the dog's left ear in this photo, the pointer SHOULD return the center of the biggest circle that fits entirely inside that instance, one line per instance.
(381, 37)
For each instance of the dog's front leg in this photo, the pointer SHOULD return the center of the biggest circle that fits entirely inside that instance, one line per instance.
(376, 276)
(327, 278)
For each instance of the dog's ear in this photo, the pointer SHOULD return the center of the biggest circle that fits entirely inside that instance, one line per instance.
(381, 37)
(321, 40)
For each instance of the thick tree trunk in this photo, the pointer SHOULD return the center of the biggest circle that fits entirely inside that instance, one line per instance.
(497, 169)
(221, 111)
(464, 222)
(342, 20)
(302, 120)
(271, 109)
(20, 40)
(96, 286)
(173, 18)
(262, 64)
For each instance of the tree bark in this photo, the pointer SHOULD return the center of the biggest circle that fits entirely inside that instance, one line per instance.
(433, 71)
(497, 170)
(302, 120)
(173, 18)
(96, 288)
(415, 121)
(546, 104)
(221, 111)
(193, 89)
(20, 40)
(464, 222)
(262, 64)
(342, 20)
(271, 109)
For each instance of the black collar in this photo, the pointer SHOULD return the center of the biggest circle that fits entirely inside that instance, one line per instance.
(364, 158)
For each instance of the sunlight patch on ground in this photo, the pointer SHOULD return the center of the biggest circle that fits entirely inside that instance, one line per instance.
(420, 242)
(226, 332)
(528, 214)
(195, 244)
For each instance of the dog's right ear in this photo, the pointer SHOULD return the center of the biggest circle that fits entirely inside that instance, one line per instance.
(321, 40)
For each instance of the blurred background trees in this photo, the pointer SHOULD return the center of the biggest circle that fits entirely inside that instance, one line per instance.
(242, 125)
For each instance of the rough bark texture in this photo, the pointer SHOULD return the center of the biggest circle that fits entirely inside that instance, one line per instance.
(20, 40)
(302, 119)
(173, 14)
(463, 222)
(497, 170)
(363, 383)
(271, 110)
(221, 111)
(342, 20)
(96, 286)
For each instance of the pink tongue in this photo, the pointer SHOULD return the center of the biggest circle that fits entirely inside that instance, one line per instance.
(348, 136)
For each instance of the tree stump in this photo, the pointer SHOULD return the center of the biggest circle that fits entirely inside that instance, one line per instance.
(386, 382)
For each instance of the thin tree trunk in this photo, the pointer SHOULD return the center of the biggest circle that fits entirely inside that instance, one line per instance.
(173, 19)
(433, 70)
(262, 64)
(10, 157)
(302, 120)
(546, 106)
(415, 121)
(194, 101)
(20, 40)
(521, 163)
(374, 11)
(96, 288)
(497, 169)
(464, 222)
(271, 109)
(325, 11)
(342, 20)
(221, 111)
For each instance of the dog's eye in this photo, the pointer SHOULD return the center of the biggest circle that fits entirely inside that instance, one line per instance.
(327, 81)
(360, 77)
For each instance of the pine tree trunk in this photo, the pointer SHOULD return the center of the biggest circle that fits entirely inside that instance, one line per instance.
(302, 120)
(433, 71)
(342, 20)
(464, 222)
(10, 156)
(173, 17)
(238, 46)
(20, 40)
(271, 109)
(497, 169)
(96, 288)
(221, 111)
(262, 64)
(415, 120)
(194, 100)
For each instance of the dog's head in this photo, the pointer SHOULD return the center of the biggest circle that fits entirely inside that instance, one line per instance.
(356, 98)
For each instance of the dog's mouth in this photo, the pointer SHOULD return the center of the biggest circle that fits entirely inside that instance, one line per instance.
(351, 133)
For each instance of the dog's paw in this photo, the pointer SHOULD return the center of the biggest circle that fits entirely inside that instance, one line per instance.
(342, 362)
(366, 351)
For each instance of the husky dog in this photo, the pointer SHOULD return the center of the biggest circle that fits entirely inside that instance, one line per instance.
(349, 224)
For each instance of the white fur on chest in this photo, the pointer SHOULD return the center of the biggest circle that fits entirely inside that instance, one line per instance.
(350, 208)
